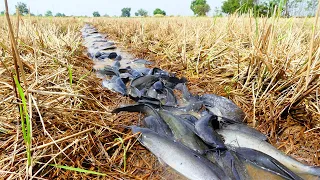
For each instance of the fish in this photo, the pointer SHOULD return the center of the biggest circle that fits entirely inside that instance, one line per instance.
(222, 122)
(143, 70)
(265, 162)
(166, 95)
(171, 82)
(188, 163)
(171, 99)
(152, 123)
(222, 107)
(159, 72)
(115, 84)
(207, 133)
(108, 45)
(156, 103)
(151, 92)
(134, 73)
(182, 133)
(180, 110)
(101, 53)
(116, 65)
(232, 165)
(141, 61)
(193, 105)
(187, 96)
(144, 81)
(108, 71)
(118, 58)
(134, 92)
(190, 118)
(190, 102)
(103, 57)
(239, 139)
(246, 129)
(125, 76)
(149, 111)
(98, 36)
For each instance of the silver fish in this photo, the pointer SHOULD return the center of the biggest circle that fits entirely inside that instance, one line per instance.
(222, 107)
(115, 84)
(150, 111)
(188, 163)
(231, 164)
(266, 162)
(182, 132)
(143, 81)
(207, 133)
(246, 129)
(240, 139)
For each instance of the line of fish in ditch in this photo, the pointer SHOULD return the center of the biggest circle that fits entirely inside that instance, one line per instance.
(201, 137)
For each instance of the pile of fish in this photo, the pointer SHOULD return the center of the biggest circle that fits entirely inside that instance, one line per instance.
(201, 137)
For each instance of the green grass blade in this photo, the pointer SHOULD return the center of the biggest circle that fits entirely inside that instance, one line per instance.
(23, 126)
(25, 120)
(84, 76)
(77, 169)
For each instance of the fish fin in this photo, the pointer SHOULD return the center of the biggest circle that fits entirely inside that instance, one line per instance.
(286, 170)
(234, 169)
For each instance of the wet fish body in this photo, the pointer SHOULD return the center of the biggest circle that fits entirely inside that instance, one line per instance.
(246, 129)
(118, 58)
(182, 133)
(231, 164)
(149, 111)
(266, 162)
(171, 100)
(152, 123)
(142, 61)
(187, 96)
(143, 81)
(115, 84)
(190, 118)
(134, 92)
(186, 162)
(223, 107)
(207, 133)
(239, 139)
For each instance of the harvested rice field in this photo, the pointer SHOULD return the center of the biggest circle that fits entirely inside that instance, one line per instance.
(55, 115)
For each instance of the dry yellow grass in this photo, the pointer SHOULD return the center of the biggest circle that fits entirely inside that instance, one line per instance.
(260, 64)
